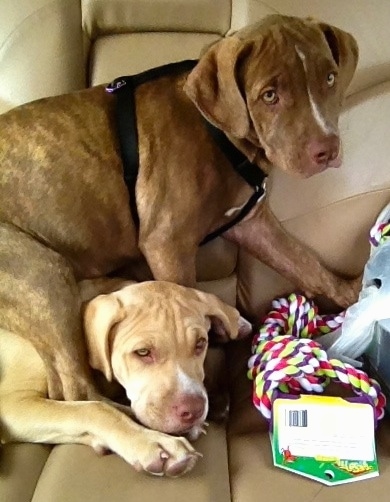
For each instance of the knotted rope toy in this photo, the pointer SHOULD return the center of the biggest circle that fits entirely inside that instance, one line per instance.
(379, 233)
(286, 358)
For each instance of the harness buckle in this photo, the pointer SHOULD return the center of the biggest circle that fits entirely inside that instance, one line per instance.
(264, 184)
(115, 85)
(261, 190)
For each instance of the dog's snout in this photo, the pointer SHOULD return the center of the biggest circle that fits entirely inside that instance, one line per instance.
(189, 408)
(325, 151)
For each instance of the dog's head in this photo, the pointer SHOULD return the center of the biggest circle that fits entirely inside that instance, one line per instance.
(279, 85)
(152, 338)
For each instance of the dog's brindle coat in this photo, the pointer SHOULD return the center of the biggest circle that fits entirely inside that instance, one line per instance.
(275, 89)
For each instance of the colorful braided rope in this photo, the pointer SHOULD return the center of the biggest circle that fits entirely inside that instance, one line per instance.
(379, 233)
(286, 358)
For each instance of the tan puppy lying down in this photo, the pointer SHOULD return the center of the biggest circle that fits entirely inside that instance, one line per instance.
(150, 337)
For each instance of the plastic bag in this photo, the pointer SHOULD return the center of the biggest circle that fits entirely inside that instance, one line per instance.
(357, 330)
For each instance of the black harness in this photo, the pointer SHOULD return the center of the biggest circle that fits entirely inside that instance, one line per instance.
(124, 89)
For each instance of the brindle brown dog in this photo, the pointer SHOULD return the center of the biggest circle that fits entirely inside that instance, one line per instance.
(275, 89)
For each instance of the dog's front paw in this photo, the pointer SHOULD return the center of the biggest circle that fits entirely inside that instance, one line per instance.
(163, 455)
(348, 292)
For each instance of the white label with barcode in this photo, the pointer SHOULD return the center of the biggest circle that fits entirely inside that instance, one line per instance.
(308, 429)
(296, 418)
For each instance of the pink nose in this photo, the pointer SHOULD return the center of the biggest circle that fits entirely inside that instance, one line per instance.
(324, 151)
(189, 408)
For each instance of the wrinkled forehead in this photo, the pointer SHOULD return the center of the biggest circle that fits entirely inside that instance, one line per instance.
(160, 319)
(283, 30)
(287, 55)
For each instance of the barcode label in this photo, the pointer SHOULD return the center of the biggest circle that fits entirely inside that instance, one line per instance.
(296, 418)
(319, 427)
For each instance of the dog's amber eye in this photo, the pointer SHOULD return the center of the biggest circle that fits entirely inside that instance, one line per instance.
(200, 345)
(142, 352)
(270, 97)
(331, 79)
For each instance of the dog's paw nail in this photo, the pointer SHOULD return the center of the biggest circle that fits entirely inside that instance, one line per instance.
(197, 454)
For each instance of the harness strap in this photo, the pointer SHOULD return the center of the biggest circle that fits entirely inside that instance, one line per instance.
(254, 199)
(128, 143)
(250, 172)
(124, 89)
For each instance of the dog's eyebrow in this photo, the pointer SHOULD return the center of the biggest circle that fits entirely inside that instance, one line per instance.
(142, 345)
(146, 336)
(272, 81)
(142, 342)
(196, 331)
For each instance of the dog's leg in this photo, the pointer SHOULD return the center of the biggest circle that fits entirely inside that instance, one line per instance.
(262, 236)
(39, 299)
(90, 288)
(35, 419)
(170, 259)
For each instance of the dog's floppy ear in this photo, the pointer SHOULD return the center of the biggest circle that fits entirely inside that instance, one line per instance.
(345, 52)
(225, 321)
(212, 85)
(100, 316)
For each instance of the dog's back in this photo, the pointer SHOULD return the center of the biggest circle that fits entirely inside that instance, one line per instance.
(59, 164)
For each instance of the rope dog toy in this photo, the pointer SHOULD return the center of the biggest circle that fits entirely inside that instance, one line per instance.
(379, 234)
(286, 358)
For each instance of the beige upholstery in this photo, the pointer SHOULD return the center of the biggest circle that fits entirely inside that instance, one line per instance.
(41, 50)
(103, 17)
(135, 52)
(74, 473)
(49, 47)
